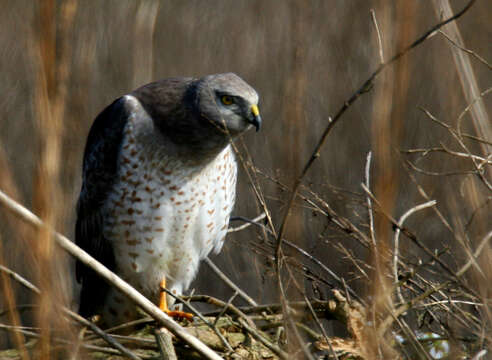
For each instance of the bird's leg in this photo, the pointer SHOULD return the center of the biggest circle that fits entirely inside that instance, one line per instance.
(163, 304)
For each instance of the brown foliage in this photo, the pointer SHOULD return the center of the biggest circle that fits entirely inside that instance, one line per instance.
(405, 265)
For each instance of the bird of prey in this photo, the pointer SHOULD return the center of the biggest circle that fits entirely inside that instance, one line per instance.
(159, 179)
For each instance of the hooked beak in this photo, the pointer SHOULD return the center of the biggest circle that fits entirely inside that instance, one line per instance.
(255, 118)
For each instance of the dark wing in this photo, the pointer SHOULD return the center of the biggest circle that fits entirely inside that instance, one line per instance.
(100, 170)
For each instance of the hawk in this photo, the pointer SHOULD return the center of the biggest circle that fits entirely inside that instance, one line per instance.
(159, 179)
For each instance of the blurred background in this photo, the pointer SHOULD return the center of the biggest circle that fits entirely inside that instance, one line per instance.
(62, 62)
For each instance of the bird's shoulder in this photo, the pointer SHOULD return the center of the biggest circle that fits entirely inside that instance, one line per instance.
(160, 95)
(99, 171)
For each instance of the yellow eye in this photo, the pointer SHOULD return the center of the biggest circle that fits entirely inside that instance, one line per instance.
(226, 99)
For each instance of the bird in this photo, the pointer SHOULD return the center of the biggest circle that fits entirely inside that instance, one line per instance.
(158, 187)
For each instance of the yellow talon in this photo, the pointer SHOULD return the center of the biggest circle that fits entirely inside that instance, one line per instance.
(164, 308)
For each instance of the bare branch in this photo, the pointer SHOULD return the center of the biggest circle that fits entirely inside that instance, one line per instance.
(229, 281)
(476, 254)
(444, 149)
(457, 137)
(472, 53)
(244, 226)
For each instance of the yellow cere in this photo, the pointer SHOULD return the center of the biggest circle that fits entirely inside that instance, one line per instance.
(255, 110)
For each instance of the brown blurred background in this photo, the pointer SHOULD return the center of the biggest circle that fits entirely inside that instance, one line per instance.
(305, 58)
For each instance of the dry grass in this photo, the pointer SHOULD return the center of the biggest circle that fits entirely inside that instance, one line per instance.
(386, 256)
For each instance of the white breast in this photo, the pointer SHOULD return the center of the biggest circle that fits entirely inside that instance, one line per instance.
(164, 215)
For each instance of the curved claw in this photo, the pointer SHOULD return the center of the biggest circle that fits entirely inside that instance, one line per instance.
(163, 305)
(179, 314)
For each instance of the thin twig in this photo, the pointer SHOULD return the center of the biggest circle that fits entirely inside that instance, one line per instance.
(109, 339)
(476, 254)
(317, 305)
(472, 53)
(144, 342)
(380, 37)
(212, 326)
(385, 324)
(444, 149)
(419, 348)
(229, 302)
(458, 138)
(477, 99)
(229, 281)
(244, 226)
(440, 174)
(320, 326)
(219, 303)
(281, 354)
(449, 301)
(397, 240)
(145, 320)
(479, 355)
(368, 199)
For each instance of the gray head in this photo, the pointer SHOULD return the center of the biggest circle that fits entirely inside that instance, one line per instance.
(228, 102)
(201, 115)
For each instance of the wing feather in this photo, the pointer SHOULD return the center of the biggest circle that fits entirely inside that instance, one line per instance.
(100, 170)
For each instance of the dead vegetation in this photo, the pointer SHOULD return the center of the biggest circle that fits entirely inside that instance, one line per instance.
(396, 266)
